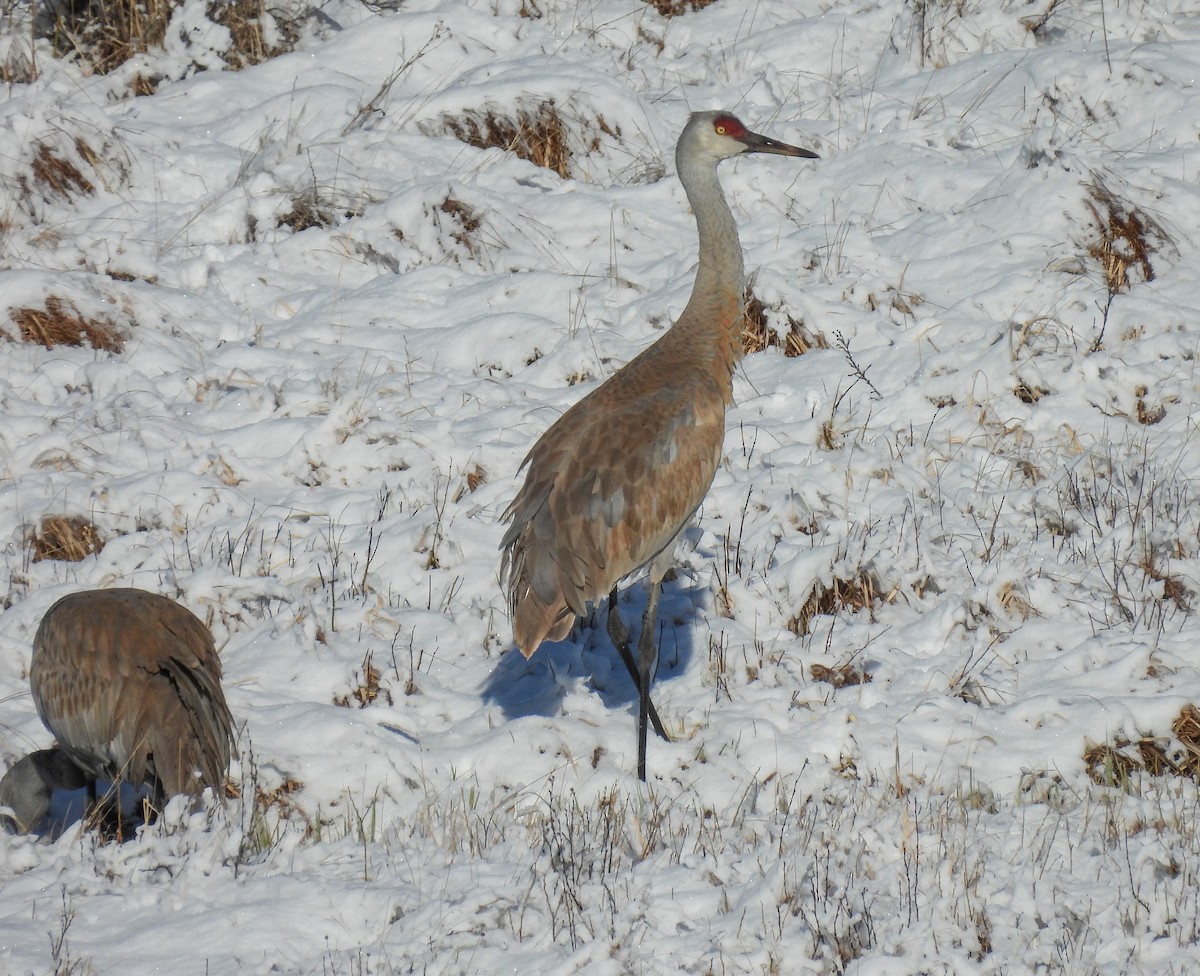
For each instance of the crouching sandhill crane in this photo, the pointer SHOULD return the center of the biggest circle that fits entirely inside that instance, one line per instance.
(28, 787)
(129, 682)
(615, 480)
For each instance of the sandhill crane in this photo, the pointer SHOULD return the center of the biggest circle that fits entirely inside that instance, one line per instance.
(616, 479)
(28, 786)
(129, 682)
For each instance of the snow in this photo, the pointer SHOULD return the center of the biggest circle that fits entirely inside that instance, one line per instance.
(310, 435)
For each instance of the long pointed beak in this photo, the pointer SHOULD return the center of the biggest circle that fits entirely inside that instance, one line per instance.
(757, 143)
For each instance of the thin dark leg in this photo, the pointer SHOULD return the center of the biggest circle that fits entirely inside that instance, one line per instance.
(619, 634)
(648, 656)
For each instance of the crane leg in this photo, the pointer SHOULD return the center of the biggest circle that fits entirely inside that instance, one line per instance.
(647, 657)
(619, 634)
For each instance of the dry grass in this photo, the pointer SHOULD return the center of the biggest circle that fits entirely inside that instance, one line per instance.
(465, 223)
(673, 8)
(60, 323)
(858, 593)
(1125, 239)
(69, 538)
(58, 176)
(1115, 764)
(535, 134)
(368, 688)
(245, 19)
(1147, 415)
(475, 476)
(1027, 393)
(841, 676)
(1174, 589)
(758, 335)
(104, 34)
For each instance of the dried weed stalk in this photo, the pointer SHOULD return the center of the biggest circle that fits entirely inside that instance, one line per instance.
(60, 323)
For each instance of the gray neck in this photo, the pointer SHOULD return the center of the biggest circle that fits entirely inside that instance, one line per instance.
(720, 271)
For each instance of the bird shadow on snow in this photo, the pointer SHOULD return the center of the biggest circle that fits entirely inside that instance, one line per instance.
(539, 685)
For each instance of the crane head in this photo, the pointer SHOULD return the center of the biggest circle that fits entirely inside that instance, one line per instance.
(722, 134)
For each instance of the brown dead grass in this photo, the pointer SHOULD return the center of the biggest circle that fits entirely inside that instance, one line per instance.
(841, 676)
(1174, 588)
(465, 223)
(69, 538)
(60, 323)
(758, 335)
(1114, 764)
(104, 34)
(536, 134)
(475, 476)
(1125, 238)
(57, 175)
(858, 593)
(1147, 415)
(245, 19)
(368, 689)
(673, 8)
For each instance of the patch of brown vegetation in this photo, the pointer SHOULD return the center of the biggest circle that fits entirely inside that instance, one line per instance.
(69, 538)
(1126, 237)
(841, 676)
(536, 134)
(673, 8)
(244, 20)
(1114, 764)
(758, 335)
(1173, 587)
(1028, 394)
(465, 223)
(57, 175)
(1147, 415)
(61, 324)
(854, 594)
(368, 688)
(474, 477)
(104, 34)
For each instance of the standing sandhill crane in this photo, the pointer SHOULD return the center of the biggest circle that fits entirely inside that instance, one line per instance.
(130, 684)
(615, 480)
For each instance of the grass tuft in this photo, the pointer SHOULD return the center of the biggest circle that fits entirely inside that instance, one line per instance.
(1125, 239)
(69, 538)
(1117, 763)
(841, 676)
(59, 176)
(758, 335)
(856, 593)
(60, 323)
(535, 134)
(368, 688)
(673, 8)
(105, 34)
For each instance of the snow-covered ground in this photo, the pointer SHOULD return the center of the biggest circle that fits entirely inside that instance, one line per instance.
(310, 434)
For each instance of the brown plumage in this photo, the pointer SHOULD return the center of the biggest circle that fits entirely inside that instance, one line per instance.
(615, 480)
(129, 682)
